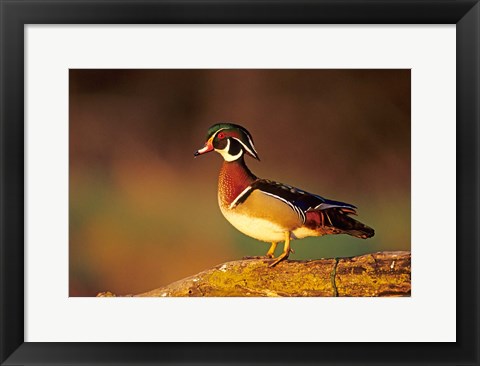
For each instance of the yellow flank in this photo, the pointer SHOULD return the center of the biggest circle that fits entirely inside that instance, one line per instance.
(270, 208)
(304, 232)
(262, 217)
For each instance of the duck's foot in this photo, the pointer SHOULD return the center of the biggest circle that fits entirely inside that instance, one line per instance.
(282, 257)
(271, 251)
(286, 251)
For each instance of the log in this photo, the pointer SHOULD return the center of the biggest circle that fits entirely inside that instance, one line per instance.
(376, 274)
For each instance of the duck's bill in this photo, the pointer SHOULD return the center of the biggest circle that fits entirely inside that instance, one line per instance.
(207, 148)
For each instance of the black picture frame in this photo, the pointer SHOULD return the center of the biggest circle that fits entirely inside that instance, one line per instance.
(16, 14)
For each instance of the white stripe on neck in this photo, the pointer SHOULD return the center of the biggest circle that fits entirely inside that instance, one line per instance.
(245, 146)
(234, 203)
(226, 155)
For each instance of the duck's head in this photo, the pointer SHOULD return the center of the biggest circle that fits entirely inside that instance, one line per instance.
(229, 140)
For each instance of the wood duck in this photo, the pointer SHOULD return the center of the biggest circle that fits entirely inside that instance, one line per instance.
(270, 211)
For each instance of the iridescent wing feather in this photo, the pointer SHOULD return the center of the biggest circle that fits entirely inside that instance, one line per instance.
(298, 199)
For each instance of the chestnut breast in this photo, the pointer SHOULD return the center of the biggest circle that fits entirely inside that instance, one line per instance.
(233, 179)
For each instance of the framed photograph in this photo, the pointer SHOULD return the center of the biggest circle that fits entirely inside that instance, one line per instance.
(135, 196)
(205, 182)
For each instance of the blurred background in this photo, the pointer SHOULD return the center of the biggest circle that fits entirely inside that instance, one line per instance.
(143, 211)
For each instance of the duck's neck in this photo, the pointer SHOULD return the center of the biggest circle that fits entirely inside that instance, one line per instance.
(234, 178)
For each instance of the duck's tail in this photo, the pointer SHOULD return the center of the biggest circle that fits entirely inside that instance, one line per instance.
(337, 220)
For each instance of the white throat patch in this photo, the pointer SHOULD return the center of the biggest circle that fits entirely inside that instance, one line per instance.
(226, 155)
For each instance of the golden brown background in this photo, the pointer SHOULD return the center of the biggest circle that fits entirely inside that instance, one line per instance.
(143, 211)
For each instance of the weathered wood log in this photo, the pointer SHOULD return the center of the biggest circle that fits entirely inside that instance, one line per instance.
(377, 274)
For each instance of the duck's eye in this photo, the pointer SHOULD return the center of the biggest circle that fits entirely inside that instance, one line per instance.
(221, 135)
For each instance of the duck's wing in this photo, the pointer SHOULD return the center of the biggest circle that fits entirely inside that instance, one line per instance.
(298, 199)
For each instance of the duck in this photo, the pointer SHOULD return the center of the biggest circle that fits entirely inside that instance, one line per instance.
(267, 210)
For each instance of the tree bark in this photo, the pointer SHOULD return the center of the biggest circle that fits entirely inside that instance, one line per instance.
(376, 274)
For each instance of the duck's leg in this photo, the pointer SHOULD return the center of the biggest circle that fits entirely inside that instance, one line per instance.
(271, 251)
(270, 254)
(286, 250)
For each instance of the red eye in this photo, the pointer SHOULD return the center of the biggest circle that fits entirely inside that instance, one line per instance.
(221, 135)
